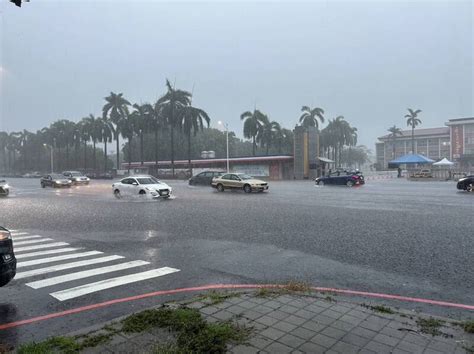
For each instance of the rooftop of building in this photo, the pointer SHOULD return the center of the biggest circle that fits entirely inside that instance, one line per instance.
(421, 132)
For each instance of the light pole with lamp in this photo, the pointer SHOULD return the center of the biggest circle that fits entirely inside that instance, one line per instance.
(51, 149)
(226, 126)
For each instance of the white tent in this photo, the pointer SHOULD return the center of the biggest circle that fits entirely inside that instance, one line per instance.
(443, 162)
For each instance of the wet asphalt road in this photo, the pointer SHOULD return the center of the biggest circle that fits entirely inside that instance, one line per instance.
(391, 236)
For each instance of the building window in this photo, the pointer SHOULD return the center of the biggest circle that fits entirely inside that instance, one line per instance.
(469, 139)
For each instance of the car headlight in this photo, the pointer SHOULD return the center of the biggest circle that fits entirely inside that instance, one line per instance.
(5, 235)
(6, 186)
(462, 179)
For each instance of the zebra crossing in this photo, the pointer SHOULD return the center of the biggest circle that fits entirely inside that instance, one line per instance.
(44, 257)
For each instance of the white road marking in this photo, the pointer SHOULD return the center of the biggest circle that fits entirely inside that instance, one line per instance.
(21, 238)
(110, 283)
(12, 230)
(31, 241)
(84, 274)
(39, 247)
(59, 267)
(44, 253)
(56, 259)
(18, 233)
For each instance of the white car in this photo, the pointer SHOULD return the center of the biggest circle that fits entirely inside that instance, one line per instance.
(142, 186)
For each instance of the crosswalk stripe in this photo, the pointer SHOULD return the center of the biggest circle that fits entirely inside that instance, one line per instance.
(21, 238)
(110, 283)
(18, 233)
(31, 241)
(12, 230)
(84, 274)
(39, 247)
(44, 253)
(56, 259)
(64, 266)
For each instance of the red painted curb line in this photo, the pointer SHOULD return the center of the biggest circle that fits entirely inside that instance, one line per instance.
(226, 286)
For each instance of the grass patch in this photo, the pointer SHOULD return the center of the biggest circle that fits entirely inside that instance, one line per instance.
(215, 297)
(193, 333)
(468, 326)
(380, 309)
(297, 286)
(430, 326)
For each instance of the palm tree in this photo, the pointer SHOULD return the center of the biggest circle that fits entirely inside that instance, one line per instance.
(413, 121)
(94, 132)
(270, 130)
(171, 105)
(253, 122)
(193, 121)
(3, 147)
(106, 129)
(156, 124)
(394, 132)
(116, 109)
(142, 118)
(310, 117)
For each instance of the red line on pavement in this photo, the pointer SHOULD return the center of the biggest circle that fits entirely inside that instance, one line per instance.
(221, 287)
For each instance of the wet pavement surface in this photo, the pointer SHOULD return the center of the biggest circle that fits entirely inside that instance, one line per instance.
(390, 236)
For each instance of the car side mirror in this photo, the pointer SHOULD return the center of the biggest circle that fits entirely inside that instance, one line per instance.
(135, 183)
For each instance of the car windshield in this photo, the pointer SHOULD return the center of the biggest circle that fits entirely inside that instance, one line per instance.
(76, 174)
(55, 176)
(147, 180)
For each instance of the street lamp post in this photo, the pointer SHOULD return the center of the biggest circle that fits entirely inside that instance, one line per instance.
(51, 153)
(226, 126)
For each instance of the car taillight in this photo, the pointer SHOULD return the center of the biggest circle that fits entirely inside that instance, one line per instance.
(355, 177)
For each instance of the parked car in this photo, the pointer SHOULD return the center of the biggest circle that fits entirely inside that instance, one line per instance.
(204, 178)
(238, 181)
(4, 188)
(7, 257)
(76, 177)
(341, 178)
(466, 183)
(142, 185)
(55, 180)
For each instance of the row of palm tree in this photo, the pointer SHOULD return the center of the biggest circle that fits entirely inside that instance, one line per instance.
(412, 121)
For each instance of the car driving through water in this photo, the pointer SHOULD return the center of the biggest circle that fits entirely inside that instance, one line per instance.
(239, 181)
(347, 178)
(143, 185)
(4, 188)
(76, 177)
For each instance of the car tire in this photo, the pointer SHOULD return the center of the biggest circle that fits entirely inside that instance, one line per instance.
(470, 188)
(320, 183)
(142, 193)
(349, 183)
(247, 188)
(220, 187)
(117, 194)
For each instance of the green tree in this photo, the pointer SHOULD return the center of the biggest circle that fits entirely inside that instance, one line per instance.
(171, 105)
(311, 116)
(116, 109)
(253, 122)
(413, 121)
(394, 132)
(106, 133)
(193, 121)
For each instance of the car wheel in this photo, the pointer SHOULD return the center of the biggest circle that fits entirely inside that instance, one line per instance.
(349, 183)
(117, 194)
(4, 280)
(470, 187)
(320, 183)
(247, 188)
(142, 193)
(220, 187)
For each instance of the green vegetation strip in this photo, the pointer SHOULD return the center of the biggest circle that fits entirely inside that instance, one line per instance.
(193, 334)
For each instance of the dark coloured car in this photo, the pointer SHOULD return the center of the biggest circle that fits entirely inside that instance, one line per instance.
(76, 177)
(466, 184)
(4, 188)
(343, 178)
(7, 257)
(55, 181)
(204, 178)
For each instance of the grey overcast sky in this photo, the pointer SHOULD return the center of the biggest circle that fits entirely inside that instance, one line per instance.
(365, 60)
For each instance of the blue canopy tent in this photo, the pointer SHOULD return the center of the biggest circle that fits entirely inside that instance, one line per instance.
(411, 159)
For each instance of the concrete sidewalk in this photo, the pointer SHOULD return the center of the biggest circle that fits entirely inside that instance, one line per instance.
(295, 322)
